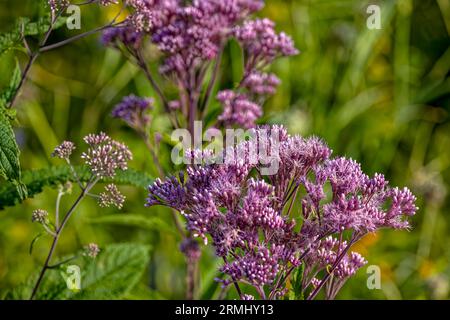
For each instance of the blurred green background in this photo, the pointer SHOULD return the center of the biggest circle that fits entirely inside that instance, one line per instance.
(381, 97)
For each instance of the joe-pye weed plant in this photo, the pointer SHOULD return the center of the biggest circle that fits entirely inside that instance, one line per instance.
(287, 234)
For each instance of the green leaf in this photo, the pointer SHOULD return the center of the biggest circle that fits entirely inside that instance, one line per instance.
(134, 220)
(111, 275)
(35, 239)
(12, 40)
(132, 177)
(209, 285)
(211, 116)
(142, 292)
(11, 90)
(9, 157)
(114, 272)
(36, 180)
(296, 292)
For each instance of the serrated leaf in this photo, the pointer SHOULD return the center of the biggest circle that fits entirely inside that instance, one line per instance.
(9, 156)
(134, 220)
(114, 272)
(36, 180)
(111, 275)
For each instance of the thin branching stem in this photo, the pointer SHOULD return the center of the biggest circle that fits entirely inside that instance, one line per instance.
(32, 56)
(212, 82)
(77, 37)
(58, 232)
(235, 283)
(143, 65)
(333, 267)
(58, 201)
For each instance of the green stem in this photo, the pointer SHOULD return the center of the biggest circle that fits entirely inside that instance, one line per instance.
(58, 232)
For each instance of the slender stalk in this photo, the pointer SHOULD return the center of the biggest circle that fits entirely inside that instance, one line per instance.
(58, 232)
(223, 293)
(191, 117)
(235, 283)
(329, 287)
(162, 174)
(143, 65)
(151, 149)
(25, 42)
(31, 60)
(333, 267)
(211, 83)
(261, 292)
(54, 266)
(191, 266)
(58, 201)
(48, 230)
(277, 283)
(282, 279)
(33, 56)
(190, 280)
(53, 19)
(43, 48)
(292, 202)
(74, 172)
(77, 37)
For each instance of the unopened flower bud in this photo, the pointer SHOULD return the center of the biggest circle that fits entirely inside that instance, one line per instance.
(40, 216)
(92, 250)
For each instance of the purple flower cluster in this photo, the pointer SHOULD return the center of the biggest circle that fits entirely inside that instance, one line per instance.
(261, 84)
(266, 226)
(331, 254)
(238, 110)
(134, 111)
(262, 44)
(357, 200)
(127, 35)
(190, 35)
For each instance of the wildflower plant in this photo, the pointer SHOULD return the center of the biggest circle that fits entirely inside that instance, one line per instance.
(304, 218)
(103, 158)
(282, 214)
(191, 36)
